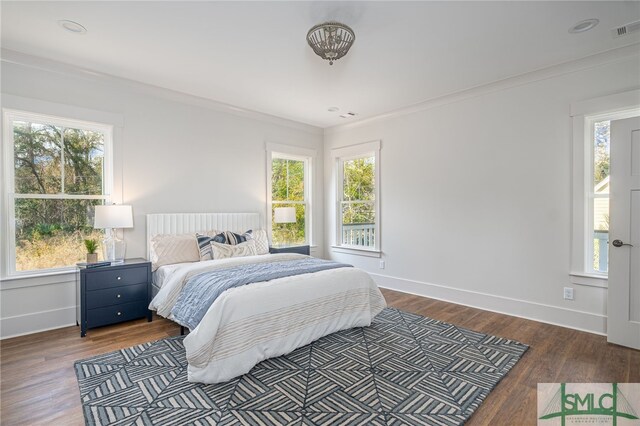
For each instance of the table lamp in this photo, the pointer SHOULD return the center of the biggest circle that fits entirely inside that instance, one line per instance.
(112, 217)
(284, 215)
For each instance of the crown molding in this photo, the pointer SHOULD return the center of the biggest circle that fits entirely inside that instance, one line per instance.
(592, 61)
(49, 65)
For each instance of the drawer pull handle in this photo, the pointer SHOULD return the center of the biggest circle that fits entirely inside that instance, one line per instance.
(119, 278)
(118, 296)
(119, 313)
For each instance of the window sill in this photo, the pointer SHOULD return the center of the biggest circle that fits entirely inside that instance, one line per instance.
(37, 279)
(590, 280)
(356, 251)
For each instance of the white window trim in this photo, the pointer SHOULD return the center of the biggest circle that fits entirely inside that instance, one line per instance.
(9, 246)
(338, 155)
(300, 154)
(584, 114)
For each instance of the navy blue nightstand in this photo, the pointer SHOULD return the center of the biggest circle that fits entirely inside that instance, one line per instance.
(304, 249)
(114, 293)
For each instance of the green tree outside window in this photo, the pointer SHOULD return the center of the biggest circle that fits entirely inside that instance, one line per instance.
(53, 162)
(288, 190)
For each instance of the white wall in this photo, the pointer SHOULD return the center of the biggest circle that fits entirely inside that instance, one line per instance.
(475, 188)
(476, 194)
(174, 153)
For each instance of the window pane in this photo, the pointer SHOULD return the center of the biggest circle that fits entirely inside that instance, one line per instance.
(359, 179)
(51, 233)
(601, 196)
(289, 233)
(37, 156)
(601, 234)
(358, 224)
(83, 160)
(601, 154)
(287, 180)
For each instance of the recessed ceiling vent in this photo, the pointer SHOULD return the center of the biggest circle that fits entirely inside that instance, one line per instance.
(627, 29)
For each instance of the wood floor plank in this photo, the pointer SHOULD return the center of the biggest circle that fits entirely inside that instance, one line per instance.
(38, 384)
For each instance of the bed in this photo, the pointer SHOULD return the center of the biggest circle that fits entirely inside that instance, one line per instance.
(245, 324)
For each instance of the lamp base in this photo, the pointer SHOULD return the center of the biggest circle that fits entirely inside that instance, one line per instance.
(113, 248)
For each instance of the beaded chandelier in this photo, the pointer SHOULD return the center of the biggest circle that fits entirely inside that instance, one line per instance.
(331, 40)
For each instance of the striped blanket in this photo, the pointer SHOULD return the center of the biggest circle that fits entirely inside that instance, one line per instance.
(203, 289)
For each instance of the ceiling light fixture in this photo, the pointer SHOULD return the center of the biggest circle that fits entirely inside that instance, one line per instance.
(583, 26)
(333, 109)
(72, 27)
(331, 40)
(348, 115)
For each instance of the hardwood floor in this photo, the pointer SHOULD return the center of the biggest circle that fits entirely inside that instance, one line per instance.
(38, 384)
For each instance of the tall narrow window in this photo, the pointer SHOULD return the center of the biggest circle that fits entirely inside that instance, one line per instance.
(597, 190)
(357, 216)
(290, 184)
(357, 207)
(57, 170)
(599, 197)
(591, 183)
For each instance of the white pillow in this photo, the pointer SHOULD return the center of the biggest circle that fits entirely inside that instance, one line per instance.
(167, 249)
(261, 239)
(223, 251)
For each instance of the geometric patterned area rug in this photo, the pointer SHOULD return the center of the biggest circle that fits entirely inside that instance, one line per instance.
(404, 369)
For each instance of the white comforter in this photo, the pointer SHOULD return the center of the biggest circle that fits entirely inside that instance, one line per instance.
(248, 324)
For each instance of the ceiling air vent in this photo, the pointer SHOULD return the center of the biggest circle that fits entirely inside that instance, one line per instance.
(627, 29)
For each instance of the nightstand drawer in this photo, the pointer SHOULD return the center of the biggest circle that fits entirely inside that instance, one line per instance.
(116, 295)
(117, 313)
(117, 277)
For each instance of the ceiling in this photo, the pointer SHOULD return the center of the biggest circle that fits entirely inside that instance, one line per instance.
(254, 55)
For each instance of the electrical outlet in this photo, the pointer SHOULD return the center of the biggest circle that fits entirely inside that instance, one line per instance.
(382, 264)
(568, 293)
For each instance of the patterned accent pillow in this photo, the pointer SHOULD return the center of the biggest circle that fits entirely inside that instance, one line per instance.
(167, 249)
(223, 251)
(228, 237)
(204, 245)
(261, 239)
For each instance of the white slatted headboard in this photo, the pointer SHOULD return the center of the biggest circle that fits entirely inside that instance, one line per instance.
(183, 223)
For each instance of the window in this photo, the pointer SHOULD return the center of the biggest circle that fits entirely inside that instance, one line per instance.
(598, 196)
(591, 183)
(289, 185)
(596, 190)
(357, 197)
(56, 171)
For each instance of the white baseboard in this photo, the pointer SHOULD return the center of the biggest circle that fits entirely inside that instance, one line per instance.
(35, 322)
(578, 320)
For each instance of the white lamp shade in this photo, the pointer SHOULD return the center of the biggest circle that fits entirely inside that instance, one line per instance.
(113, 216)
(284, 215)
